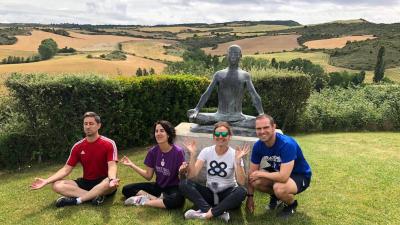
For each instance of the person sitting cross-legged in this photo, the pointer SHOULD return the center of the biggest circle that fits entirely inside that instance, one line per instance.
(98, 156)
(224, 172)
(163, 160)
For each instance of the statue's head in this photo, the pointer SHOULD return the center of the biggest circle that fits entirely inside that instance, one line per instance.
(234, 54)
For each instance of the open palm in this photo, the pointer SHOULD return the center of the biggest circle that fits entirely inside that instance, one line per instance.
(190, 145)
(242, 151)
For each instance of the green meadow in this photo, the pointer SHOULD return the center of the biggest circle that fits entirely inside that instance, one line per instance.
(355, 181)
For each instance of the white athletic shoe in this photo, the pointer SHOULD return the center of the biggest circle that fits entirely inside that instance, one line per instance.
(225, 216)
(136, 200)
(193, 214)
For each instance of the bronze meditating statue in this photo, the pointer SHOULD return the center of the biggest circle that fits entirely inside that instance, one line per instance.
(231, 83)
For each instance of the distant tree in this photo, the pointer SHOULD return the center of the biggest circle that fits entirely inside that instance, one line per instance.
(47, 49)
(359, 78)
(139, 72)
(145, 73)
(152, 71)
(35, 58)
(9, 59)
(215, 62)
(66, 50)
(274, 63)
(380, 66)
(195, 54)
(4, 61)
(15, 59)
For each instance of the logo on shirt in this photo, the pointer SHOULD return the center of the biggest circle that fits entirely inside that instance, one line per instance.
(271, 161)
(164, 171)
(83, 152)
(217, 169)
(162, 162)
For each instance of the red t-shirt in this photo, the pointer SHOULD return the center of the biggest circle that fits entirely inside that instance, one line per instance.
(93, 157)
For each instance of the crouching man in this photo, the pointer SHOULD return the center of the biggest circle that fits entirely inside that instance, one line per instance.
(98, 157)
(286, 174)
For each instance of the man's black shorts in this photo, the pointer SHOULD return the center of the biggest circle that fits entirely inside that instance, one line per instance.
(301, 181)
(89, 184)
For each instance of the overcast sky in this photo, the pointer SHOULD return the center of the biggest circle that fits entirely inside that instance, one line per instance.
(151, 12)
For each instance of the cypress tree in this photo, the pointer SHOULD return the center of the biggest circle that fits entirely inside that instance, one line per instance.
(380, 66)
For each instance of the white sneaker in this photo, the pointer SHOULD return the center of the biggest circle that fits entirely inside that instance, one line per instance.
(193, 214)
(136, 200)
(225, 216)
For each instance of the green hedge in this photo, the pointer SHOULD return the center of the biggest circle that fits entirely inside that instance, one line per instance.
(373, 107)
(53, 107)
(284, 95)
(50, 108)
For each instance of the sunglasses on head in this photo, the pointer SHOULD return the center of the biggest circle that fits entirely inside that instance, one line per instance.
(223, 134)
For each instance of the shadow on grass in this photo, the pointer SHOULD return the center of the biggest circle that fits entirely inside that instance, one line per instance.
(36, 214)
(270, 217)
(68, 212)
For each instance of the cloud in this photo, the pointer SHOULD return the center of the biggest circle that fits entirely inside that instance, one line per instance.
(153, 12)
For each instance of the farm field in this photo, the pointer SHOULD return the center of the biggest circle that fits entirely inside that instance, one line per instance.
(153, 49)
(392, 73)
(240, 28)
(332, 43)
(4, 53)
(80, 64)
(258, 28)
(134, 31)
(183, 36)
(262, 44)
(81, 42)
(172, 29)
(351, 184)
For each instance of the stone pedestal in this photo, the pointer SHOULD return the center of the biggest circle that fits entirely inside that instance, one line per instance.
(204, 140)
(237, 131)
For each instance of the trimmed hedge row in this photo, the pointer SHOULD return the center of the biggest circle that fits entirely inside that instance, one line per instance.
(373, 107)
(283, 97)
(50, 109)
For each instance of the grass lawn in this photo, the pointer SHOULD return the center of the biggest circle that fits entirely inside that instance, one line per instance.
(355, 181)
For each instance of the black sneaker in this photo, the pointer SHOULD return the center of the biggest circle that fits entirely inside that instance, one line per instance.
(65, 201)
(98, 200)
(274, 203)
(288, 210)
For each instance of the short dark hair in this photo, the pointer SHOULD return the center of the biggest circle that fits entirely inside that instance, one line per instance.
(168, 127)
(92, 114)
(223, 124)
(271, 120)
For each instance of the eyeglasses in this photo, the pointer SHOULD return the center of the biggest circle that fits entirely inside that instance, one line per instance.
(223, 134)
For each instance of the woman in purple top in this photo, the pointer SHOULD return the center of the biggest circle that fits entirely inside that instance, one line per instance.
(164, 159)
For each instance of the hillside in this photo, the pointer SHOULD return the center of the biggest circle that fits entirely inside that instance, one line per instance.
(355, 55)
(350, 44)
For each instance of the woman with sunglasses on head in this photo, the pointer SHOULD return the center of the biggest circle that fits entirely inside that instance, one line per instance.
(224, 172)
(164, 160)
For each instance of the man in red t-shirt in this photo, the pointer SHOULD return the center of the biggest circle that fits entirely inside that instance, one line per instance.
(98, 157)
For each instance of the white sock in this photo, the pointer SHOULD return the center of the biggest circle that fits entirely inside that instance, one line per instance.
(78, 201)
